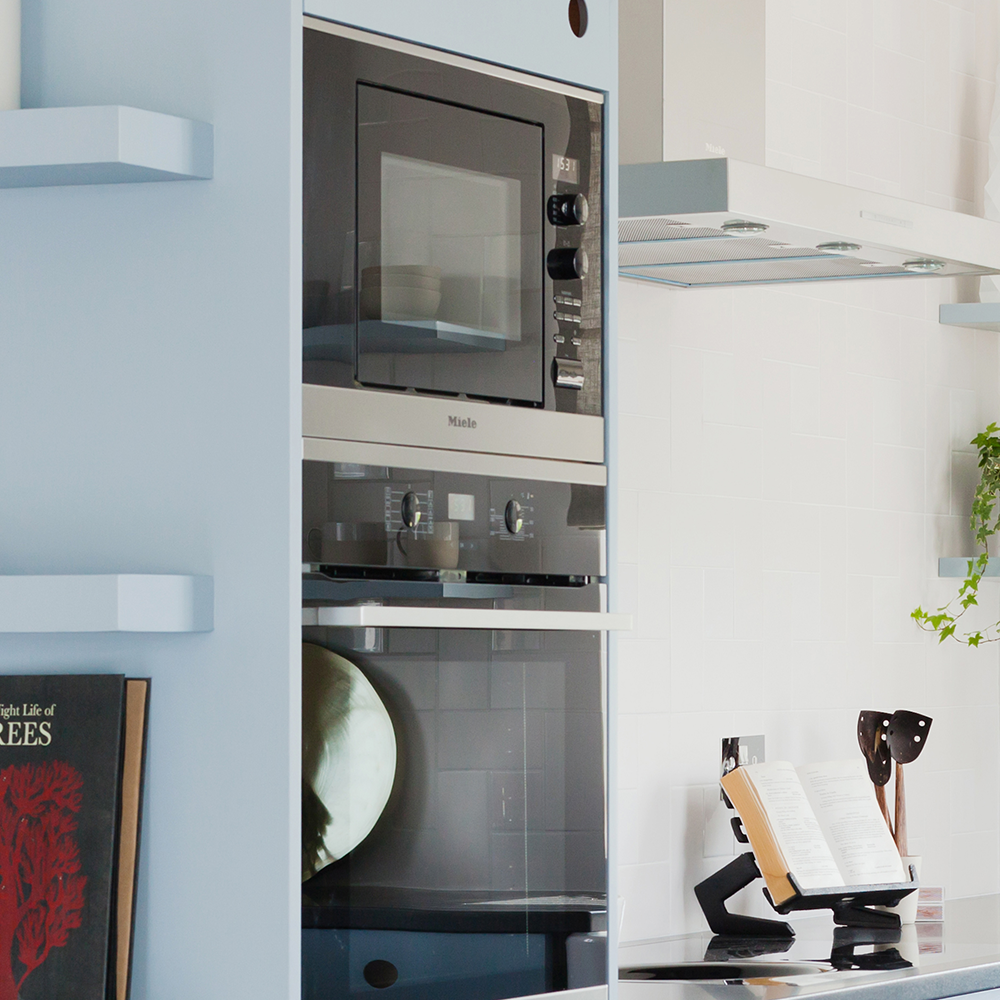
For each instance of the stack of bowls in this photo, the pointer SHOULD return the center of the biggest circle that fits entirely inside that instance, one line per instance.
(400, 292)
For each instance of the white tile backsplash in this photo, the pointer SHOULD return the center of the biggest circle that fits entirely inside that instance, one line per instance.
(794, 460)
(773, 551)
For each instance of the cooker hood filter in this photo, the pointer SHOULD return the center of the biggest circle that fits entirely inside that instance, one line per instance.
(724, 222)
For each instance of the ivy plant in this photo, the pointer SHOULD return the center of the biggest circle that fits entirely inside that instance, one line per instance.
(984, 522)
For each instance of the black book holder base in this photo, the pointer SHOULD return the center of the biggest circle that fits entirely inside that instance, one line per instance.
(851, 905)
(843, 954)
(716, 889)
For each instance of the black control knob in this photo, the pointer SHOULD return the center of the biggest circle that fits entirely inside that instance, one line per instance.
(512, 517)
(567, 263)
(568, 210)
(409, 510)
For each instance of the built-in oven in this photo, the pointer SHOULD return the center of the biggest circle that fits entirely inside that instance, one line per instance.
(452, 250)
(462, 851)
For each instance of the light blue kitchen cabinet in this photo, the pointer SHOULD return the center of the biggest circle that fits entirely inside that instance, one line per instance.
(532, 35)
(150, 423)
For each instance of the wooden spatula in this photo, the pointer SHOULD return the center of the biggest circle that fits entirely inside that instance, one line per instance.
(907, 734)
(873, 740)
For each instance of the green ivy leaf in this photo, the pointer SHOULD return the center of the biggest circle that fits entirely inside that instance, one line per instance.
(984, 522)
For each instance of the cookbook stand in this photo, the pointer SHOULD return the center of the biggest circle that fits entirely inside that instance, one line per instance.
(851, 905)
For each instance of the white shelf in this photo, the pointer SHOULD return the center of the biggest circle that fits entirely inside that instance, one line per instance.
(42, 147)
(958, 566)
(112, 602)
(377, 616)
(979, 315)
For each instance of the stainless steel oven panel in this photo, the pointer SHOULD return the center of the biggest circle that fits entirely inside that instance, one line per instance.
(451, 59)
(438, 460)
(368, 616)
(402, 521)
(456, 425)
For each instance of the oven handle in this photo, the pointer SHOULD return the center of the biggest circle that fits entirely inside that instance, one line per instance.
(378, 616)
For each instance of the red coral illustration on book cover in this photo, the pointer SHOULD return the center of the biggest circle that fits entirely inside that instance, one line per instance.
(41, 888)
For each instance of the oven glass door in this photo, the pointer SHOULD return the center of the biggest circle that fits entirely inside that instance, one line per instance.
(486, 873)
(449, 248)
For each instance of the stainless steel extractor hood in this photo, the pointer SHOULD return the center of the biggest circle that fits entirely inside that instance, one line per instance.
(725, 222)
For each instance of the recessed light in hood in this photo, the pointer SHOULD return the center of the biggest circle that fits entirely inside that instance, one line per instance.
(742, 228)
(924, 265)
(839, 246)
(725, 222)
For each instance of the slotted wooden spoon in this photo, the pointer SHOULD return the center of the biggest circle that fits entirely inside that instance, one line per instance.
(907, 734)
(873, 740)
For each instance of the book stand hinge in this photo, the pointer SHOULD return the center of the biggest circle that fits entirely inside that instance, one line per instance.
(713, 892)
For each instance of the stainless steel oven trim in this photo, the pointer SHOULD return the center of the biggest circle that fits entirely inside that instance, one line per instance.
(584, 993)
(467, 463)
(379, 616)
(450, 425)
(450, 59)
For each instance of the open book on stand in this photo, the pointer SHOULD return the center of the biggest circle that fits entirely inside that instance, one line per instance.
(819, 824)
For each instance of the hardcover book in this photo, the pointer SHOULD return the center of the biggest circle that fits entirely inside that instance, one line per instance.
(819, 822)
(71, 750)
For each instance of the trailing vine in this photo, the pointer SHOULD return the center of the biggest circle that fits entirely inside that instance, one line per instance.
(984, 522)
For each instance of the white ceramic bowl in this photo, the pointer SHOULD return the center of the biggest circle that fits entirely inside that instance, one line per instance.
(438, 549)
(380, 275)
(404, 281)
(399, 303)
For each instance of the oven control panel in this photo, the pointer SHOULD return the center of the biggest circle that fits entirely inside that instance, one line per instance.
(513, 520)
(387, 519)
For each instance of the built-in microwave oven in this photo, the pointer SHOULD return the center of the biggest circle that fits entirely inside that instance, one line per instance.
(453, 244)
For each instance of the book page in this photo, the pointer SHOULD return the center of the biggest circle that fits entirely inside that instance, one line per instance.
(794, 824)
(843, 799)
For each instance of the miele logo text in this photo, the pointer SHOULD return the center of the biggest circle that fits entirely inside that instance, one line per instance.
(462, 422)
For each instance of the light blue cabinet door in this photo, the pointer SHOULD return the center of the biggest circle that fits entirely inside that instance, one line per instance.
(532, 35)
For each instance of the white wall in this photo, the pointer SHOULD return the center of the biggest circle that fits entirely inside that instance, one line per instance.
(793, 460)
(889, 95)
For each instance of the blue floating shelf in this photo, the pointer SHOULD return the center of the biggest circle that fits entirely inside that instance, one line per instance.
(112, 602)
(978, 315)
(45, 147)
(958, 566)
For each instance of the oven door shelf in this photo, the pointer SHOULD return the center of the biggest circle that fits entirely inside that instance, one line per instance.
(448, 911)
(321, 590)
(377, 616)
(336, 342)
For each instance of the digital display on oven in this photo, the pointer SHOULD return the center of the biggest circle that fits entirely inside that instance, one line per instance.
(565, 168)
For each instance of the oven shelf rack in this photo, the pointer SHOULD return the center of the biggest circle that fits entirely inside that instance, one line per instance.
(335, 342)
(380, 616)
